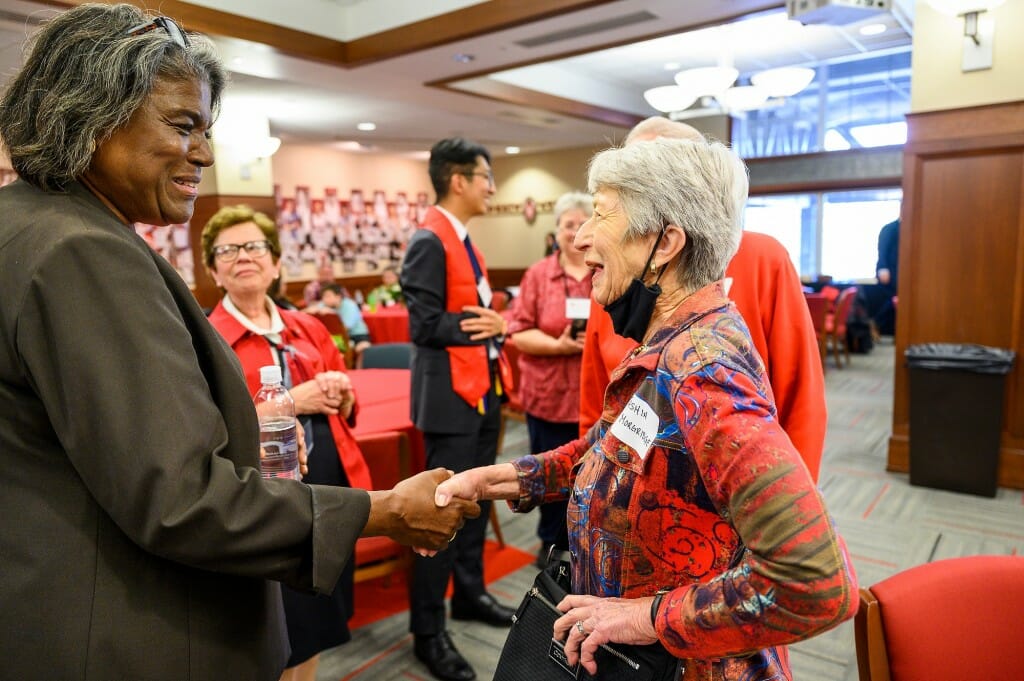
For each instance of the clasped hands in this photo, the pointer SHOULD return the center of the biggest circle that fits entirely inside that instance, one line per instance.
(408, 513)
(329, 392)
(485, 323)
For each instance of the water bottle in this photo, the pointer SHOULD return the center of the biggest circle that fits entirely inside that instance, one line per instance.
(276, 411)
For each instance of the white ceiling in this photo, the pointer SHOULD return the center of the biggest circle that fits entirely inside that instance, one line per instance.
(313, 102)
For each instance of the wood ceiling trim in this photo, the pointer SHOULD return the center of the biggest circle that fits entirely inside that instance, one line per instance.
(470, 22)
(214, 22)
(503, 92)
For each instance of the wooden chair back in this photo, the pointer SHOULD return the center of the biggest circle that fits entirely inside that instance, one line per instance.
(958, 618)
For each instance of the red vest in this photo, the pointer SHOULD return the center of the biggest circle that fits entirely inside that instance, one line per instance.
(470, 370)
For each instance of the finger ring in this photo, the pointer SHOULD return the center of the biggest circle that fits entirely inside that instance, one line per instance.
(579, 628)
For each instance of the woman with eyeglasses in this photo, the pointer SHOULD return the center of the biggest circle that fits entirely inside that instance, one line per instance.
(241, 251)
(139, 540)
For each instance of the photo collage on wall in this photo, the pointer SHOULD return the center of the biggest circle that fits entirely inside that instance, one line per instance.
(354, 236)
(173, 243)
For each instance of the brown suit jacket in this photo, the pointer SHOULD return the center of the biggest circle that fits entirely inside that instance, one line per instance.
(137, 535)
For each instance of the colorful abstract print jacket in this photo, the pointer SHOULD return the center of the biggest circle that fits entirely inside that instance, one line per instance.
(688, 483)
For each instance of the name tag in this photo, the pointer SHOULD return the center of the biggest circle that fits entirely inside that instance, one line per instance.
(637, 426)
(577, 308)
(484, 290)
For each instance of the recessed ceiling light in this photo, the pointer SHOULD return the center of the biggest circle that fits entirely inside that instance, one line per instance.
(672, 66)
(367, 127)
(873, 29)
(511, 150)
(463, 58)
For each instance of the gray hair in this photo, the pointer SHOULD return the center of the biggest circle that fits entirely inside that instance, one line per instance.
(83, 79)
(573, 201)
(699, 186)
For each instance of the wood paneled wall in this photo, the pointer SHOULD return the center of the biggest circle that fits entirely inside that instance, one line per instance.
(962, 255)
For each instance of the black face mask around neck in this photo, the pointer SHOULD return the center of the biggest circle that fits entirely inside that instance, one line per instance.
(632, 311)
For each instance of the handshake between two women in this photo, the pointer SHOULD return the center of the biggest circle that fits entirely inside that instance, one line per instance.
(408, 514)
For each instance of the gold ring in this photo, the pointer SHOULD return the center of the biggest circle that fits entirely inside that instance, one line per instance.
(579, 628)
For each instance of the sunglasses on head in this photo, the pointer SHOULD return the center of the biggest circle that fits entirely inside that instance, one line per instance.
(178, 36)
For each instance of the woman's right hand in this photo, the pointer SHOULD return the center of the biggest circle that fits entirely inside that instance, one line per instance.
(566, 344)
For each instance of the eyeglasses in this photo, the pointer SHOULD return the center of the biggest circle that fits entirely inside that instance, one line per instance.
(489, 176)
(229, 252)
(178, 36)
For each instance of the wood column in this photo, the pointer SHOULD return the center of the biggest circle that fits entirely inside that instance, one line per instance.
(962, 255)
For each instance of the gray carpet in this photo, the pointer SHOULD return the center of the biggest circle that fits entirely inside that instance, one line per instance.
(888, 525)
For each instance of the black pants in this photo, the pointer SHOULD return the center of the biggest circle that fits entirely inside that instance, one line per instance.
(545, 436)
(463, 559)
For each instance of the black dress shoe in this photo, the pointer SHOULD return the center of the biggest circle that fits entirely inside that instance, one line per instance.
(441, 657)
(483, 608)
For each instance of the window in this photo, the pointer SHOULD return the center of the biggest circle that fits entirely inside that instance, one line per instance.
(830, 233)
(851, 104)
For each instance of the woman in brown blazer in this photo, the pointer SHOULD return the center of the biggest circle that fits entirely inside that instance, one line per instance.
(138, 538)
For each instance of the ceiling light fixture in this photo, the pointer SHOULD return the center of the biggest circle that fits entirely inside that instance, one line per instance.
(873, 29)
(783, 82)
(717, 82)
(366, 127)
(512, 150)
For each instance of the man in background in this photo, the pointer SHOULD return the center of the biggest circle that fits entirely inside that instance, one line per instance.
(763, 283)
(456, 389)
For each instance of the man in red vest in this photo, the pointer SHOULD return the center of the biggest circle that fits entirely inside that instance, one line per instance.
(456, 389)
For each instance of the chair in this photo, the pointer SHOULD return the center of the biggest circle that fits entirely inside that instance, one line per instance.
(337, 329)
(835, 324)
(958, 618)
(387, 356)
(818, 305)
(387, 455)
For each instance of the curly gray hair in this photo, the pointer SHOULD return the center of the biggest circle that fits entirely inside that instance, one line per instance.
(83, 79)
(699, 186)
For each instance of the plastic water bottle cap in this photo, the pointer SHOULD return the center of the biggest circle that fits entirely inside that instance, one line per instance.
(270, 374)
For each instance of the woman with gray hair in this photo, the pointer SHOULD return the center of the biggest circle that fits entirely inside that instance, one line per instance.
(693, 524)
(138, 535)
(547, 315)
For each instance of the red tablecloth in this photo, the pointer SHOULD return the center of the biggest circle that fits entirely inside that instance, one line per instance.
(388, 324)
(383, 396)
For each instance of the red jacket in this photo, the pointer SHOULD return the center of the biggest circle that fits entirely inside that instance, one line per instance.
(310, 338)
(471, 374)
(768, 294)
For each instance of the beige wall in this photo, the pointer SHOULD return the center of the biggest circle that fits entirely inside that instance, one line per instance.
(937, 83)
(506, 240)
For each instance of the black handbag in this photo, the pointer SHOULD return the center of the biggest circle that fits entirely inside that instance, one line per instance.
(531, 653)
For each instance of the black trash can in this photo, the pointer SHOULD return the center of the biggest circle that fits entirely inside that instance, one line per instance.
(956, 415)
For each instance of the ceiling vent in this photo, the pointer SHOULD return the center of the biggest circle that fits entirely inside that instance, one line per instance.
(587, 29)
(834, 12)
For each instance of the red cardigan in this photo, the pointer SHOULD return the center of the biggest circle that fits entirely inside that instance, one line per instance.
(768, 294)
(311, 338)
